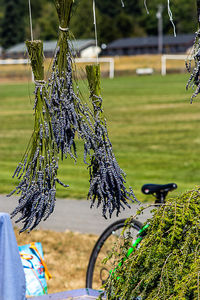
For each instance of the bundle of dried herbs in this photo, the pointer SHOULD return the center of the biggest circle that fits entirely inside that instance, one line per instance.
(194, 80)
(37, 171)
(69, 114)
(107, 180)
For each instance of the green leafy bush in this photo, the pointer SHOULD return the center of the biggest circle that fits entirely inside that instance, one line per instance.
(167, 264)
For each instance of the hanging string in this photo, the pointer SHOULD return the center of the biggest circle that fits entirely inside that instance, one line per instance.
(145, 5)
(171, 17)
(30, 16)
(31, 29)
(95, 29)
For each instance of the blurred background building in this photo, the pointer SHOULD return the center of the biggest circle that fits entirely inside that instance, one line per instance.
(149, 45)
(79, 48)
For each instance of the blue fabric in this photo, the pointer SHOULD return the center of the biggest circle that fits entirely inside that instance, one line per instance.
(12, 278)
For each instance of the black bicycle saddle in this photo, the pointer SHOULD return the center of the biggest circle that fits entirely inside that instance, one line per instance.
(158, 188)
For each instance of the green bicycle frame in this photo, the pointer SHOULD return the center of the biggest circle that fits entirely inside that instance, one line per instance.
(141, 235)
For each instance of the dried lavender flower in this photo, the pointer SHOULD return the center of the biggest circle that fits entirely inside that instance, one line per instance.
(107, 180)
(194, 80)
(37, 171)
(69, 114)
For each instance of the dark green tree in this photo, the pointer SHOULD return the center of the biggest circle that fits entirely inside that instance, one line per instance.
(107, 31)
(184, 16)
(12, 23)
(113, 20)
(47, 24)
(82, 20)
(184, 13)
(109, 7)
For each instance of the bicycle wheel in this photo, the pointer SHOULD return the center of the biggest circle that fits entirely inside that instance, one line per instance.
(97, 272)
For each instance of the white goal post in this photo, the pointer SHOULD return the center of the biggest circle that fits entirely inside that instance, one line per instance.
(109, 60)
(164, 59)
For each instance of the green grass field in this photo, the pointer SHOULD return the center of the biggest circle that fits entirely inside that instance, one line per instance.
(154, 129)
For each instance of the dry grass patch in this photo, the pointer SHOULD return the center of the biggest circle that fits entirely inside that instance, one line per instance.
(123, 64)
(66, 255)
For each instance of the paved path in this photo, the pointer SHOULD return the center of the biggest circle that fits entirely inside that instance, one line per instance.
(75, 215)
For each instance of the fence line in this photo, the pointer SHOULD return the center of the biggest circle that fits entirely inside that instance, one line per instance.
(109, 60)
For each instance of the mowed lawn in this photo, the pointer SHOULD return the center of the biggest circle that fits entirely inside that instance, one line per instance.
(154, 129)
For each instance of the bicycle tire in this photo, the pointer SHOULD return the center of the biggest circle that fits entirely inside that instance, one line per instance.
(107, 233)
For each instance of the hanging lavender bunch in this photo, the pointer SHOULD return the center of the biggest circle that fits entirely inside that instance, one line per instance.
(69, 114)
(106, 178)
(194, 80)
(37, 171)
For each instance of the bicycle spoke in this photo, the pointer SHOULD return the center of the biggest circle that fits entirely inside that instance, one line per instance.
(98, 270)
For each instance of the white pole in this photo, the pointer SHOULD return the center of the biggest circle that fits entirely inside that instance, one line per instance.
(160, 28)
(163, 65)
(112, 68)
